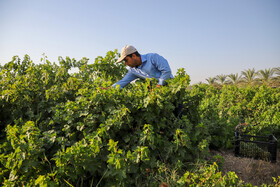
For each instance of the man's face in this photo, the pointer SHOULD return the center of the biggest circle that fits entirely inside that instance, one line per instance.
(131, 61)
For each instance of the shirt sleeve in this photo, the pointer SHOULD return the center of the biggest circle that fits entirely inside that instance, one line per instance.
(125, 80)
(162, 65)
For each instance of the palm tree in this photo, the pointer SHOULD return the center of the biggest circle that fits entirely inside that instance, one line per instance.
(234, 78)
(276, 79)
(266, 75)
(211, 81)
(277, 70)
(249, 75)
(221, 78)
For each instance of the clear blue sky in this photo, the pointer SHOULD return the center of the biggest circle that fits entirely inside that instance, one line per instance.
(206, 37)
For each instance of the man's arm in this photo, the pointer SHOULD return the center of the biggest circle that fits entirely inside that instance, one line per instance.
(163, 66)
(125, 80)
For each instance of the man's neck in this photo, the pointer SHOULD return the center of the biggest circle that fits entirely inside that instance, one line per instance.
(139, 62)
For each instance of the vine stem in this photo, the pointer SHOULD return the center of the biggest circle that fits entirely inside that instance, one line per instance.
(102, 177)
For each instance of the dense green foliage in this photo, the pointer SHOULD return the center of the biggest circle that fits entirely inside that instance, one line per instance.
(62, 129)
(221, 110)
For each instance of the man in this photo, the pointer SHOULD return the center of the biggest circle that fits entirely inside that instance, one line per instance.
(150, 65)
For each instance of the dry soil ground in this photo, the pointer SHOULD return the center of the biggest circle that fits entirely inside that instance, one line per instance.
(250, 170)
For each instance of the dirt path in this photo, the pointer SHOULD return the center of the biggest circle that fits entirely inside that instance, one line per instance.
(250, 170)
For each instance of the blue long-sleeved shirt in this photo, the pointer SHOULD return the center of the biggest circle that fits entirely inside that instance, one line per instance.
(153, 66)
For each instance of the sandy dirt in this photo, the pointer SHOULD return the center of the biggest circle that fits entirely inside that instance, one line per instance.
(250, 170)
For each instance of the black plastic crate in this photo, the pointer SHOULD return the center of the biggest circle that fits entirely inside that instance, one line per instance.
(257, 147)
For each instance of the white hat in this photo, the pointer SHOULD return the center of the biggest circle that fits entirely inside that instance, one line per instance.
(127, 50)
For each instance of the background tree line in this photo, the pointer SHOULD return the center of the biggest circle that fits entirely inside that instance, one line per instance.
(269, 77)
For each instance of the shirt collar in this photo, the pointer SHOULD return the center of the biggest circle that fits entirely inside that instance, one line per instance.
(143, 58)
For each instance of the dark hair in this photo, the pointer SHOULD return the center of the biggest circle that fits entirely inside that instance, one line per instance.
(136, 53)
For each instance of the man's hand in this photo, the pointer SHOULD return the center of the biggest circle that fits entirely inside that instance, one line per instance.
(102, 88)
